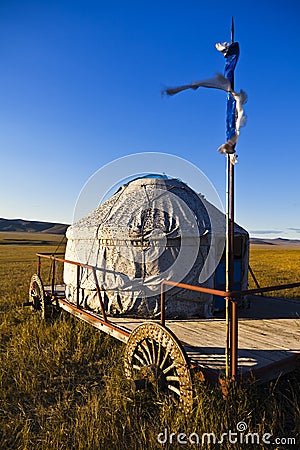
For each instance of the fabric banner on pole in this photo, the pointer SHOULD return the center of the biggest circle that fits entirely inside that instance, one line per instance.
(231, 53)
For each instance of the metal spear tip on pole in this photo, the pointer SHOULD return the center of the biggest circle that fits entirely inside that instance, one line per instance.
(232, 29)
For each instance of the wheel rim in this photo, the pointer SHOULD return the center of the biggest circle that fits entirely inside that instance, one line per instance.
(154, 353)
(37, 295)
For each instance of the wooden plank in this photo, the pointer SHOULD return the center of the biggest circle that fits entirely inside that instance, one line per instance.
(286, 326)
(250, 333)
(270, 336)
(247, 359)
(263, 344)
(195, 335)
(275, 369)
(129, 323)
(262, 358)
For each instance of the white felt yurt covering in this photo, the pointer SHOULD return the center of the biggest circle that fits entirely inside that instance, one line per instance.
(152, 229)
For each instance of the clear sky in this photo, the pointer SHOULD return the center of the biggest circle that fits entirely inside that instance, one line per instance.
(80, 84)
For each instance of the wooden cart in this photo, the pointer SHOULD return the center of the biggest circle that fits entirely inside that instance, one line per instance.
(167, 352)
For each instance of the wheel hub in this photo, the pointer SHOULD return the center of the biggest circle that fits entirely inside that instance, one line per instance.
(155, 376)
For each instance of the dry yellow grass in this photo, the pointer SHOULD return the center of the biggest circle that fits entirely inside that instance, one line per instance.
(274, 266)
(62, 384)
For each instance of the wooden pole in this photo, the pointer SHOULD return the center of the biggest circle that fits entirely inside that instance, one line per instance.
(234, 319)
(227, 249)
(231, 317)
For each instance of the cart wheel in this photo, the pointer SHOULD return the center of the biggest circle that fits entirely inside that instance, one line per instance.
(154, 354)
(37, 297)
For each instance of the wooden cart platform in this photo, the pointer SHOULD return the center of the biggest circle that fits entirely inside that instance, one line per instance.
(268, 337)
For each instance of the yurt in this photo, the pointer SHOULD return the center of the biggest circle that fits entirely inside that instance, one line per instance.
(153, 228)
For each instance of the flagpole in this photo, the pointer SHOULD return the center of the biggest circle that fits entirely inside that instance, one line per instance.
(231, 336)
(232, 302)
(227, 250)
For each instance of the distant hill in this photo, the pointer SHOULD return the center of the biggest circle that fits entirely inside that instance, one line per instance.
(278, 241)
(32, 226)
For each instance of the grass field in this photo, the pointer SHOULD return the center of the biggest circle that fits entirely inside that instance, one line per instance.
(274, 266)
(39, 239)
(62, 384)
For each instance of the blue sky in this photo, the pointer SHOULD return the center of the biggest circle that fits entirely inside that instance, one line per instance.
(80, 85)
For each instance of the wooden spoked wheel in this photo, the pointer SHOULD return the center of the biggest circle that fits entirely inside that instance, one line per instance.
(37, 297)
(153, 353)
